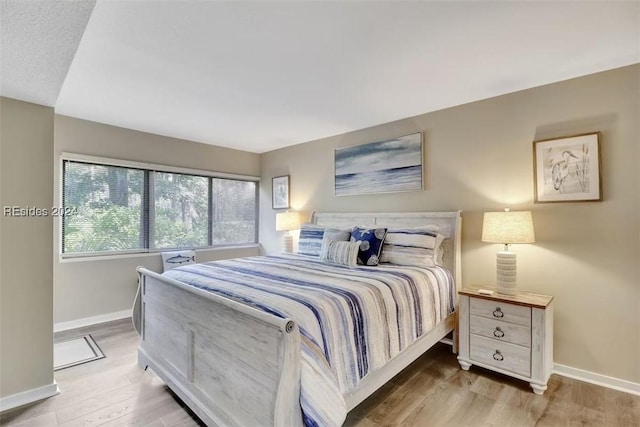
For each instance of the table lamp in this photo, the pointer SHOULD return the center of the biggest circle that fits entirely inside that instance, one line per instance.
(507, 228)
(287, 221)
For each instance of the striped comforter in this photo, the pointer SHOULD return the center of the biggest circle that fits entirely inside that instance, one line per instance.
(351, 320)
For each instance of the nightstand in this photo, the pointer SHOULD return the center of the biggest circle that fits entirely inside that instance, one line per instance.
(510, 334)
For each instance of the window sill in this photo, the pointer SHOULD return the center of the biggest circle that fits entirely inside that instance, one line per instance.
(103, 257)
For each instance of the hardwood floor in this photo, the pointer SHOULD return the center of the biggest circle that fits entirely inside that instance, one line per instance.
(112, 391)
(433, 391)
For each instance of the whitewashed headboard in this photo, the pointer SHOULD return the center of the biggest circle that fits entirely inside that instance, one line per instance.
(449, 225)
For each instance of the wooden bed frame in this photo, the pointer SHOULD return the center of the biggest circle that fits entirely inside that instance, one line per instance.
(234, 365)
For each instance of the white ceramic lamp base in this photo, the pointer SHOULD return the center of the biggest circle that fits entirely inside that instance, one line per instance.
(287, 243)
(506, 277)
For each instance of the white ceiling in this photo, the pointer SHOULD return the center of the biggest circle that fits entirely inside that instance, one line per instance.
(258, 76)
(38, 40)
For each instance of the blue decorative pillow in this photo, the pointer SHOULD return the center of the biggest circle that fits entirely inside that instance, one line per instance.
(370, 240)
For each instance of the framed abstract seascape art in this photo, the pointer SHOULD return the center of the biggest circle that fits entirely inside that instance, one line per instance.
(385, 166)
(567, 169)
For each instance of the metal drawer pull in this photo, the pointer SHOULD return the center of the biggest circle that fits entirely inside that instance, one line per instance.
(498, 356)
(498, 312)
(498, 333)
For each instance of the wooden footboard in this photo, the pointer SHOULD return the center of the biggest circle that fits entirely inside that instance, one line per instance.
(232, 365)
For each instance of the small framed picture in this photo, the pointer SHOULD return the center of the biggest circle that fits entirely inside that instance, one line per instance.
(280, 192)
(567, 169)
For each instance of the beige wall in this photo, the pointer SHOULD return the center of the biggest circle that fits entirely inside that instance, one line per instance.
(87, 288)
(478, 157)
(26, 282)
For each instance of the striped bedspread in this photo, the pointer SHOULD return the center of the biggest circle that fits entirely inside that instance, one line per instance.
(351, 320)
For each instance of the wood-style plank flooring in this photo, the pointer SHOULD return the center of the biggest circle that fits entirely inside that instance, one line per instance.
(433, 391)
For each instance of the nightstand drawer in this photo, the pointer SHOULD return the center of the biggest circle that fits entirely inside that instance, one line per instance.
(510, 357)
(502, 331)
(499, 310)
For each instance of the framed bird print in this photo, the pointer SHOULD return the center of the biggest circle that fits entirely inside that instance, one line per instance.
(567, 169)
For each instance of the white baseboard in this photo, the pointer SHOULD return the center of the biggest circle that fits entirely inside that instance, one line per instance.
(597, 379)
(94, 320)
(29, 396)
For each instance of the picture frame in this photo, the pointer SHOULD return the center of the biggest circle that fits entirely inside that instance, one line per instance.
(280, 192)
(567, 169)
(384, 166)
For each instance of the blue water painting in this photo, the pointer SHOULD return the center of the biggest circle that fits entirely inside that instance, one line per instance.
(384, 181)
(380, 167)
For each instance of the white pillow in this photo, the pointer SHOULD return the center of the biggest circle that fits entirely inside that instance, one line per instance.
(337, 235)
(339, 252)
(177, 258)
(420, 247)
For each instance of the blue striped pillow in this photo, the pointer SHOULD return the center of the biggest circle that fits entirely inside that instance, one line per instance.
(420, 247)
(311, 235)
(310, 241)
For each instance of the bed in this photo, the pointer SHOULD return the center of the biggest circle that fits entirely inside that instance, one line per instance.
(239, 353)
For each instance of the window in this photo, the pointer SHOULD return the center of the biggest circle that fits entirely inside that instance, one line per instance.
(117, 209)
(181, 207)
(233, 211)
(105, 208)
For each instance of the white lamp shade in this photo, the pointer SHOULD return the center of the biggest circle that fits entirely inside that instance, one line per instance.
(287, 221)
(508, 227)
